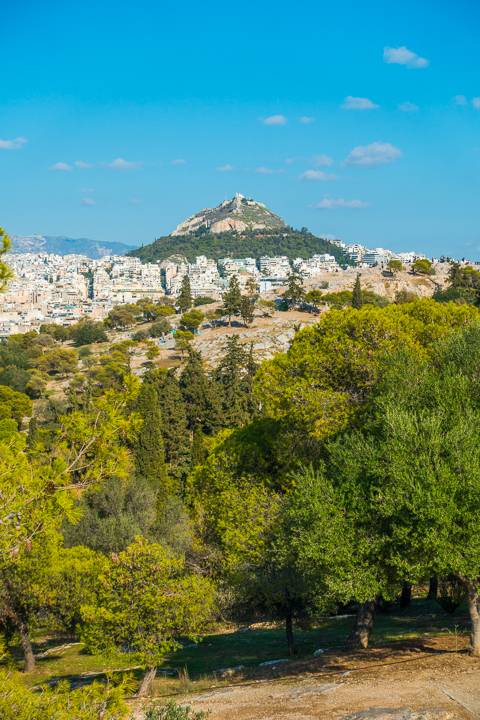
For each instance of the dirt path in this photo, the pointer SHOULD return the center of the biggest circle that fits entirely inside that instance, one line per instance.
(433, 676)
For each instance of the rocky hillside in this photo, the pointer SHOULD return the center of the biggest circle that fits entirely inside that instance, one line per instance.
(239, 214)
(63, 245)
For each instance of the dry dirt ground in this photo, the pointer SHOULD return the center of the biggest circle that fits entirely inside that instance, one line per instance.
(438, 673)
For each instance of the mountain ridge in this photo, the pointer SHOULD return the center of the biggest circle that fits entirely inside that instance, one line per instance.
(63, 245)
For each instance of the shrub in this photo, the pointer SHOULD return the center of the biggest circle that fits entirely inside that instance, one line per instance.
(160, 327)
(423, 267)
(204, 300)
(404, 296)
(140, 336)
(88, 333)
(172, 711)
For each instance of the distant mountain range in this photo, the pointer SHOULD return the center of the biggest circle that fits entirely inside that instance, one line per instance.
(62, 245)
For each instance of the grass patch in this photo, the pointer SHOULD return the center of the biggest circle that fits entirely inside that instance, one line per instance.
(193, 667)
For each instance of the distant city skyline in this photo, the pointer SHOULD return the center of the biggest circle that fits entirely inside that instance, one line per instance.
(359, 122)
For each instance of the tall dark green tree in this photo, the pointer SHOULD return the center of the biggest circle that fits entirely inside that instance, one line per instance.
(232, 299)
(234, 375)
(247, 310)
(175, 432)
(185, 301)
(357, 298)
(202, 401)
(294, 292)
(199, 449)
(149, 451)
(32, 437)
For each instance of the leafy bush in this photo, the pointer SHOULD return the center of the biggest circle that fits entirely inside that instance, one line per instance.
(172, 711)
(423, 267)
(140, 336)
(451, 594)
(17, 702)
(204, 300)
(160, 327)
(323, 284)
(88, 333)
(404, 296)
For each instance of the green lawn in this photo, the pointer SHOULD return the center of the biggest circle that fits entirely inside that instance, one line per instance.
(230, 649)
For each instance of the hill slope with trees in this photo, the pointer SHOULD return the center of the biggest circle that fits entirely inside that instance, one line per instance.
(290, 242)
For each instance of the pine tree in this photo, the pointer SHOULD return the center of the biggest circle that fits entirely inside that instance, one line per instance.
(294, 292)
(357, 298)
(176, 436)
(184, 301)
(202, 401)
(149, 452)
(232, 299)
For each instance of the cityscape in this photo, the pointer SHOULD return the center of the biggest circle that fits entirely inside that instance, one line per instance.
(55, 289)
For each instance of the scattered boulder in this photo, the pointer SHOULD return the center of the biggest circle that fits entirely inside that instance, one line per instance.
(228, 672)
(319, 652)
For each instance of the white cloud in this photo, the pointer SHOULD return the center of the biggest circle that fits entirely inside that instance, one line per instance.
(134, 201)
(225, 168)
(267, 171)
(408, 106)
(476, 103)
(320, 160)
(61, 166)
(12, 144)
(374, 155)
(358, 103)
(317, 175)
(290, 161)
(274, 120)
(460, 99)
(88, 201)
(402, 56)
(331, 204)
(121, 164)
(82, 165)
(87, 190)
(306, 120)
(179, 162)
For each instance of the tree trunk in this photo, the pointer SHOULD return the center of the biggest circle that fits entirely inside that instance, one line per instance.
(433, 589)
(147, 681)
(27, 648)
(474, 607)
(406, 595)
(362, 629)
(289, 629)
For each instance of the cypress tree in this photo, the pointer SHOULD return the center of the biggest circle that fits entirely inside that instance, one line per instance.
(232, 299)
(199, 449)
(149, 452)
(357, 297)
(176, 436)
(32, 437)
(202, 401)
(230, 375)
(184, 301)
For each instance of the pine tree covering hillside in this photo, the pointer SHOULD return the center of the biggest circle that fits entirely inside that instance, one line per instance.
(292, 243)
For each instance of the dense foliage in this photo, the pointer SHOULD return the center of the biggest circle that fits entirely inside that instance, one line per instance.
(289, 242)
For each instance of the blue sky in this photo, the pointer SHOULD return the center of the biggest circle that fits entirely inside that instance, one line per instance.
(358, 120)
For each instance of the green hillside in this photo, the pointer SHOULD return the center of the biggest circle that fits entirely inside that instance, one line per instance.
(292, 243)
